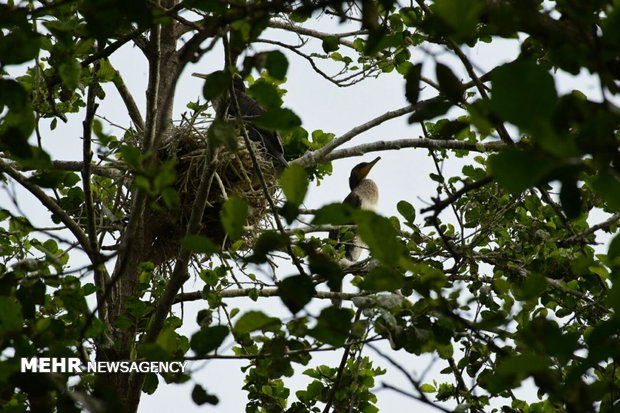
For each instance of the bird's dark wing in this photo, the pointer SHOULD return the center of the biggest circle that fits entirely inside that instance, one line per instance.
(353, 199)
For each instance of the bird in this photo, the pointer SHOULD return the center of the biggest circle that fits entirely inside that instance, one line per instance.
(249, 109)
(364, 195)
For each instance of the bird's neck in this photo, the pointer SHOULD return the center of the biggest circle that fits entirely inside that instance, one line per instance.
(368, 192)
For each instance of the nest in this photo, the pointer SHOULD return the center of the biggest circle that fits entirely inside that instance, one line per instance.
(234, 174)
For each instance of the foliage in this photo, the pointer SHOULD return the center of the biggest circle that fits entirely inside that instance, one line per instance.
(500, 278)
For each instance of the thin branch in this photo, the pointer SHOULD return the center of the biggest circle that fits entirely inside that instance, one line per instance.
(422, 396)
(317, 156)
(114, 46)
(279, 24)
(261, 292)
(50, 204)
(613, 220)
(440, 205)
(130, 103)
(101, 275)
(395, 145)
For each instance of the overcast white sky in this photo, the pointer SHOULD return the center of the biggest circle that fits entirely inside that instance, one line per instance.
(321, 105)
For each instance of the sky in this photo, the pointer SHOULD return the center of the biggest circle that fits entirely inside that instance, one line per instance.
(401, 175)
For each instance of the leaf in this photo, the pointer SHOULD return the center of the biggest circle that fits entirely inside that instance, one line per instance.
(255, 320)
(216, 84)
(429, 110)
(462, 16)
(330, 44)
(382, 279)
(406, 210)
(608, 187)
(333, 326)
(267, 242)
(11, 320)
(70, 71)
(222, 133)
(265, 94)
(294, 183)
(427, 388)
(412, 83)
(336, 214)
(380, 236)
(278, 119)
(296, 292)
(517, 170)
(276, 65)
(208, 339)
(199, 244)
(523, 93)
(570, 197)
(449, 84)
(234, 216)
(200, 396)
(150, 383)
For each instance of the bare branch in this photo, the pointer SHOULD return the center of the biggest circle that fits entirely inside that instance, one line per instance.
(392, 145)
(314, 157)
(261, 292)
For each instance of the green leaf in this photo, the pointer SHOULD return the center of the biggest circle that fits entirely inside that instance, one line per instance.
(234, 216)
(449, 84)
(517, 170)
(570, 198)
(336, 214)
(276, 65)
(208, 339)
(256, 320)
(296, 292)
(222, 133)
(608, 187)
(70, 71)
(330, 44)
(429, 110)
(294, 183)
(199, 244)
(267, 242)
(523, 93)
(216, 84)
(462, 16)
(150, 383)
(380, 236)
(382, 279)
(265, 94)
(278, 119)
(11, 320)
(200, 396)
(427, 388)
(406, 210)
(412, 83)
(333, 326)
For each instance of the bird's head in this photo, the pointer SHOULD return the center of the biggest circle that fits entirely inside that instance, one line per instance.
(360, 171)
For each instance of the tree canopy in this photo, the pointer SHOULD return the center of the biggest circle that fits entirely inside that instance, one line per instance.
(508, 273)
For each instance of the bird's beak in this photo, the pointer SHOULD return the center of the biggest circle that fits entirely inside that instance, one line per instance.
(368, 167)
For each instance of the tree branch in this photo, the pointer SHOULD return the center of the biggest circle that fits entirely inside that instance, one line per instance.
(50, 204)
(264, 292)
(314, 157)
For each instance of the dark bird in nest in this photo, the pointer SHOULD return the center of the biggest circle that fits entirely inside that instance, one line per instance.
(364, 195)
(250, 109)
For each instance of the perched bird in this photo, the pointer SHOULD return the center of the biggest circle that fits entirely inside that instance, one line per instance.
(249, 109)
(364, 195)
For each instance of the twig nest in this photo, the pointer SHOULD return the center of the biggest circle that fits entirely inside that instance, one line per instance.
(234, 174)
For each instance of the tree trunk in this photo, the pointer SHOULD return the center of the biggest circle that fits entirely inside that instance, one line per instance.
(122, 391)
